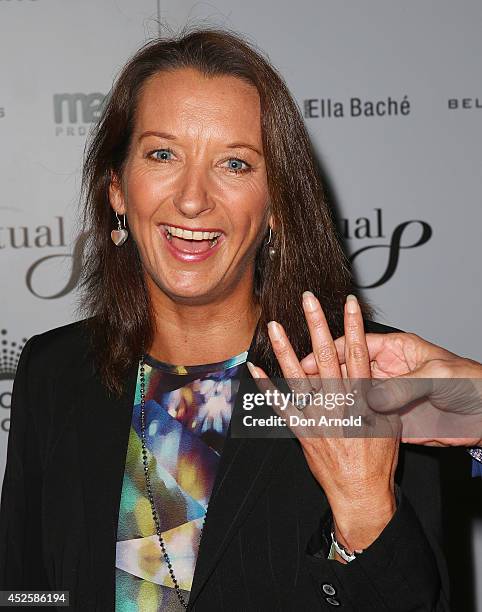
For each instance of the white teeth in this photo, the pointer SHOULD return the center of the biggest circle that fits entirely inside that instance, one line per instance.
(190, 234)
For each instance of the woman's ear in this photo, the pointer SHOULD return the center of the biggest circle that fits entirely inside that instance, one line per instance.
(116, 197)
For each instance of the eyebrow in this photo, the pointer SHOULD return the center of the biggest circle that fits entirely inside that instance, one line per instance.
(232, 145)
(243, 145)
(165, 135)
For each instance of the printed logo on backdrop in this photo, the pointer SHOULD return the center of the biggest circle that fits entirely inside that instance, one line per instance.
(465, 103)
(329, 108)
(381, 251)
(9, 355)
(74, 112)
(50, 238)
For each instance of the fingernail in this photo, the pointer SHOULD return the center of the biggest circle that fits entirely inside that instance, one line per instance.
(252, 369)
(351, 304)
(309, 301)
(275, 330)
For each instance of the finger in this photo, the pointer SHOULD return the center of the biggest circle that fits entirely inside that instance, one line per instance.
(374, 345)
(266, 387)
(356, 351)
(395, 393)
(309, 364)
(324, 349)
(290, 414)
(286, 356)
(261, 379)
(314, 378)
(264, 383)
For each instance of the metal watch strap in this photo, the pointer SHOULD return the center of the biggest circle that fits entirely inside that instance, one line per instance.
(345, 554)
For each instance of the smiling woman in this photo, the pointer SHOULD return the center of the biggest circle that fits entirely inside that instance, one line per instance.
(194, 186)
(124, 485)
(201, 134)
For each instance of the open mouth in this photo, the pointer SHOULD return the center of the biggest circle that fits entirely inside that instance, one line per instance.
(191, 243)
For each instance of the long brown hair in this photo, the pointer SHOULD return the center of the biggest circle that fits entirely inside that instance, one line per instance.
(309, 255)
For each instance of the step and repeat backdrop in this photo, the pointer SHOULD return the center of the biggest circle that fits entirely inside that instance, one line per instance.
(391, 93)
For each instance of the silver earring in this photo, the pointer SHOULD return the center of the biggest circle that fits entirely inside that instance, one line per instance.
(119, 235)
(271, 250)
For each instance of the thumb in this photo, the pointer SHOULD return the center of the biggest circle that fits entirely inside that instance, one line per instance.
(395, 393)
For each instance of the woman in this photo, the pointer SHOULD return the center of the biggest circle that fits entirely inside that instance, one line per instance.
(207, 222)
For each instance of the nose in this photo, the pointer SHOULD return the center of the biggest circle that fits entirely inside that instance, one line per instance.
(192, 196)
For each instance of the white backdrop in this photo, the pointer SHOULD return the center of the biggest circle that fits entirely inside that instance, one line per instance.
(391, 94)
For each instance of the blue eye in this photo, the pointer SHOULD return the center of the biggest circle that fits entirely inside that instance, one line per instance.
(237, 165)
(162, 154)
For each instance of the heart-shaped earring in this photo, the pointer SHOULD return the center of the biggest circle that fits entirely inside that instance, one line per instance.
(119, 235)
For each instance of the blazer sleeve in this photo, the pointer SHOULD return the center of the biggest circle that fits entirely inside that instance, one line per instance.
(21, 562)
(404, 569)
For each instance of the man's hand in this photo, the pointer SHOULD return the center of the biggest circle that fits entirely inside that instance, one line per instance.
(438, 394)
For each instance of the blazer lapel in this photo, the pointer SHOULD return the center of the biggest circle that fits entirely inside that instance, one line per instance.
(245, 468)
(103, 424)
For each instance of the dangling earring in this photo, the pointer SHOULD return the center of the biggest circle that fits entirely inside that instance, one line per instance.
(119, 235)
(271, 250)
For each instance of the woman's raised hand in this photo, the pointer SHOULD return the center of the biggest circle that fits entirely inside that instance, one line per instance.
(356, 474)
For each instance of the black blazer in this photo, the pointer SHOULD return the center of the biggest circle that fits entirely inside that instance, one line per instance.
(261, 548)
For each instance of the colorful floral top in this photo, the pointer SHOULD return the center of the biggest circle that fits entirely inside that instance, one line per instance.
(188, 410)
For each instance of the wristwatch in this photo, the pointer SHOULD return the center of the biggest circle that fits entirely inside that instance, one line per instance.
(345, 554)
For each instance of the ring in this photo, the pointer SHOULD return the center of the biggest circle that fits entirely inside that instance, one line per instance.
(303, 401)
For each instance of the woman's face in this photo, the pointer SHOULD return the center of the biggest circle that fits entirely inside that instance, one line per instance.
(194, 188)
